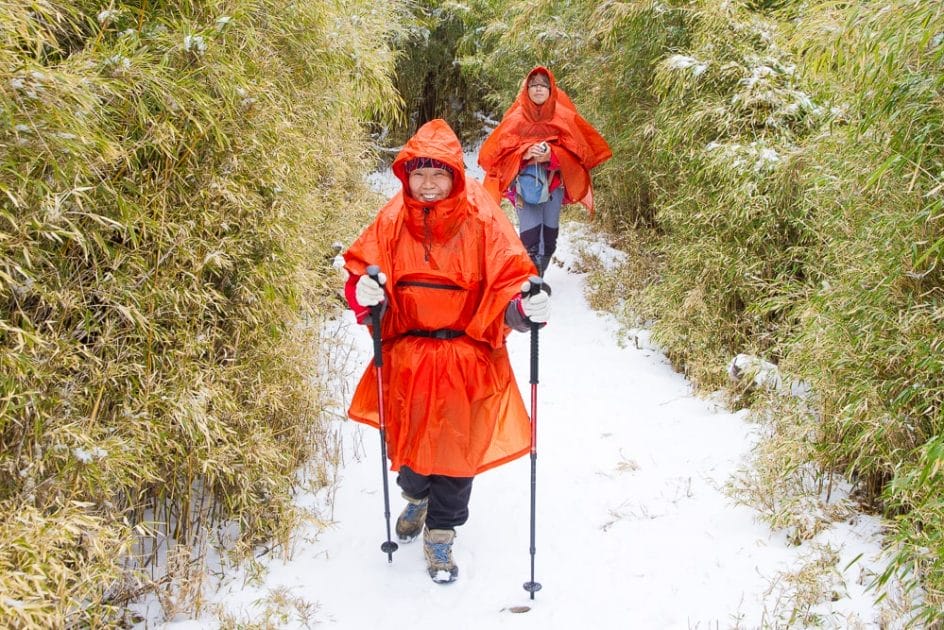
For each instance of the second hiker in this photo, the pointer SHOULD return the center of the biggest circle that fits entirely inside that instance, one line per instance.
(539, 157)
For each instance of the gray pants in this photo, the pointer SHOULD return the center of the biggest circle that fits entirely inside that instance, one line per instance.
(538, 225)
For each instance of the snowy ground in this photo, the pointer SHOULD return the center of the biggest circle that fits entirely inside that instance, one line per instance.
(634, 529)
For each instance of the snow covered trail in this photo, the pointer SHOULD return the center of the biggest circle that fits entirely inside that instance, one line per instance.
(633, 529)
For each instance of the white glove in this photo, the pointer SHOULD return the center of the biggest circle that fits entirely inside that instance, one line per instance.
(368, 292)
(535, 307)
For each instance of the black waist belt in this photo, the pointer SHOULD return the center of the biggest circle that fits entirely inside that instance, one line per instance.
(441, 333)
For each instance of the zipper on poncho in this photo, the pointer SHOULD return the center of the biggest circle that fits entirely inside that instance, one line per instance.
(427, 234)
(428, 285)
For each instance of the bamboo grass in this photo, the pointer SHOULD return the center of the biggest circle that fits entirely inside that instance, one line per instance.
(783, 163)
(173, 176)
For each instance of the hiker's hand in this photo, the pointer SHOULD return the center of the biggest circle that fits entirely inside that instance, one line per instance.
(535, 307)
(539, 152)
(368, 292)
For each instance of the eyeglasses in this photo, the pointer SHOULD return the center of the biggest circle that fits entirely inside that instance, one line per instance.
(539, 85)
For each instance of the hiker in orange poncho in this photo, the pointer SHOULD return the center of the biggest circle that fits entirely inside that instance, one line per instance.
(453, 273)
(540, 157)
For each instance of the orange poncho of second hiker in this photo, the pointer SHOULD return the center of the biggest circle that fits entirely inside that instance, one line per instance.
(576, 144)
(452, 406)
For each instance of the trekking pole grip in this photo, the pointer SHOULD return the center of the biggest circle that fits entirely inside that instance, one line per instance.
(537, 284)
(374, 272)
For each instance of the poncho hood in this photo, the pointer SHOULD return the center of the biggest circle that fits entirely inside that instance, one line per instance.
(436, 140)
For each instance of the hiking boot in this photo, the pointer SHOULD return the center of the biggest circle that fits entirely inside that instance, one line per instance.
(412, 518)
(437, 547)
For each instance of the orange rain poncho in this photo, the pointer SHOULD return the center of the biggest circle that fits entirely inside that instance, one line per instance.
(452, 406)
(575, 143)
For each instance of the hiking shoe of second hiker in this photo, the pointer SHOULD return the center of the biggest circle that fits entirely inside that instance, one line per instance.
(412, 518)
(437, 547)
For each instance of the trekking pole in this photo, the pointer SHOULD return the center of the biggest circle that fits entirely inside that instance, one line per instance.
(536, 285)
(389, 546)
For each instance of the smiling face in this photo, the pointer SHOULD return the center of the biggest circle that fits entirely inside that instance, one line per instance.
(430, 184)
(539, 89)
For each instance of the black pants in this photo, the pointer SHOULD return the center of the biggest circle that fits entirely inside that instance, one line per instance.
(534, 238)
(448, 496)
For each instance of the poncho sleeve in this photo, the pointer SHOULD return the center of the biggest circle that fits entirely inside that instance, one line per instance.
(506, 267)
